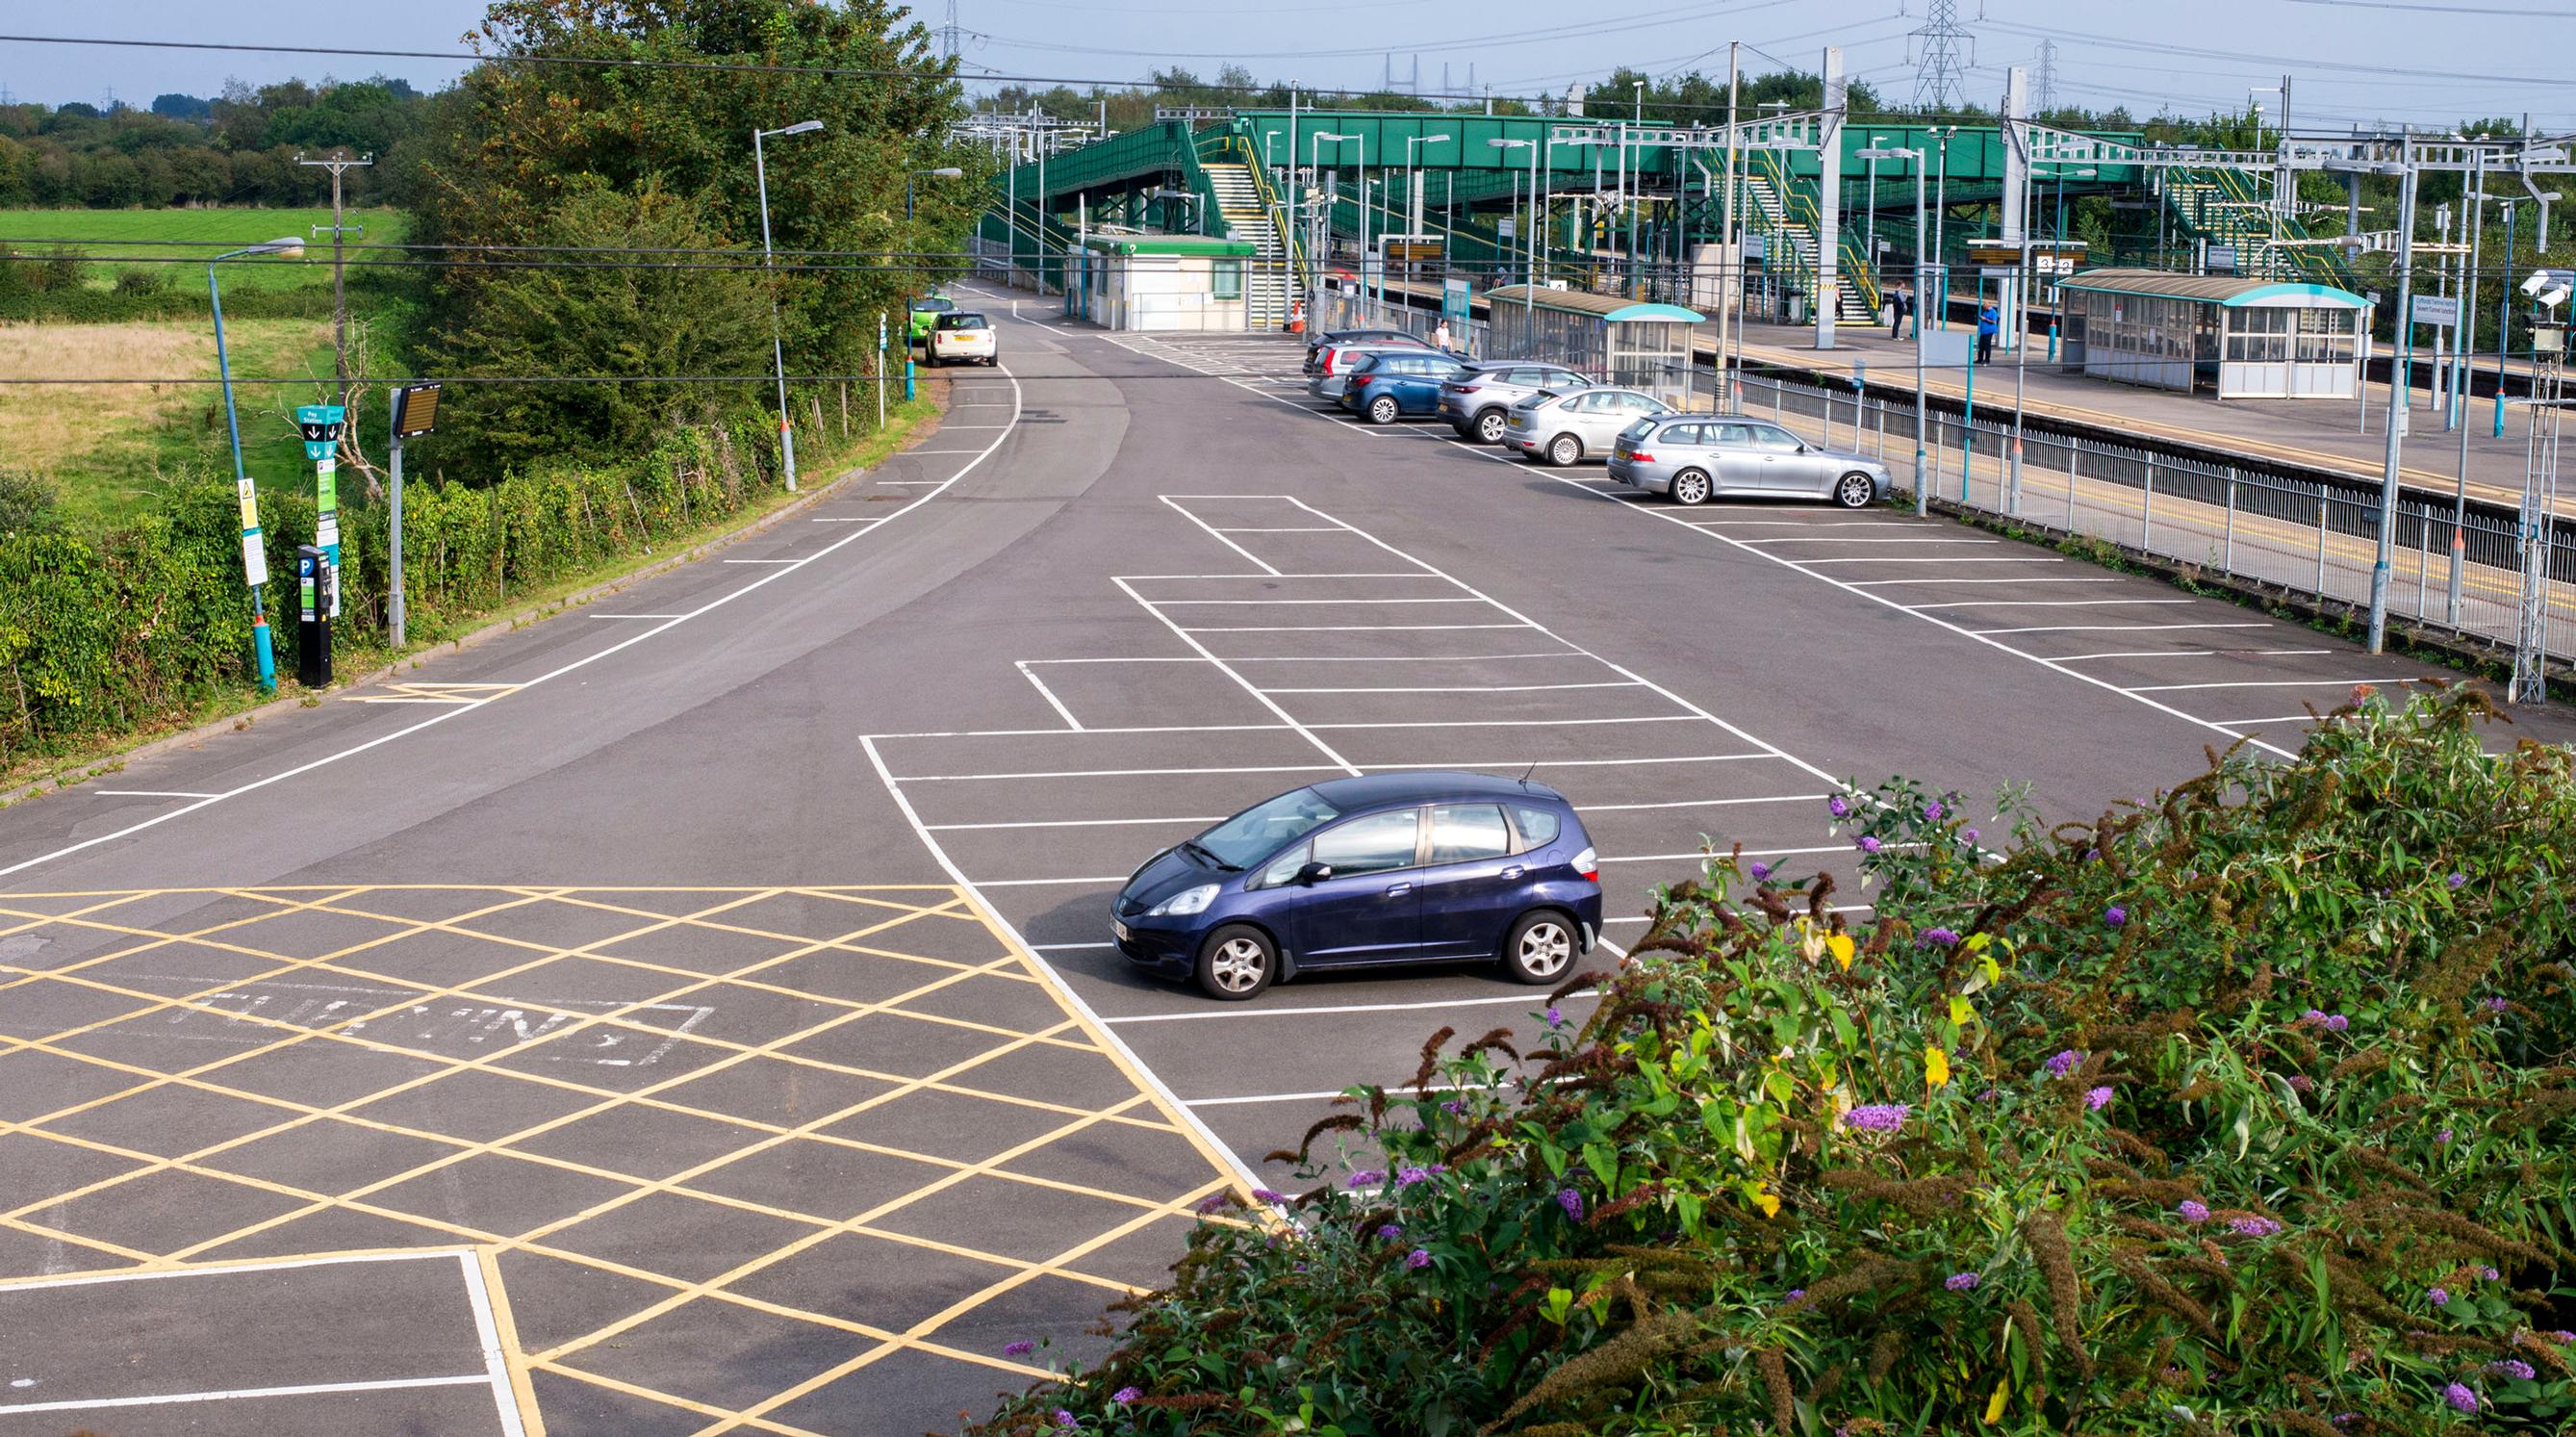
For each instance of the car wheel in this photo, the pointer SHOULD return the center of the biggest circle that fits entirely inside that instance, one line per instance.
(1563, 450)
(1236, 963)
(1542, 947)
(1854, 491)
(1690, 487)
(1490, 426)
(1383, 409)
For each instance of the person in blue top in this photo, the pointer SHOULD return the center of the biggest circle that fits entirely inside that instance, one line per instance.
(1987, 324)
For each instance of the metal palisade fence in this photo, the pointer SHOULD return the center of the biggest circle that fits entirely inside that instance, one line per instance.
(2305, 536)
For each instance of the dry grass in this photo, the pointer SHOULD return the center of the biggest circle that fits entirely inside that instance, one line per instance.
(109, 448)
(51, 426)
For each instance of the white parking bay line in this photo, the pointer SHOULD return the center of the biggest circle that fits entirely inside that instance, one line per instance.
(2110, 628)
(1839, 539)
(2191, 654)
(2048, 603)
(1343, 628)
(1881, 583)
(1699, 803)
(1468, 689)
(1110, 772)
(1072, 823)
(1874, 559)
(2268, 684)
(634, 616)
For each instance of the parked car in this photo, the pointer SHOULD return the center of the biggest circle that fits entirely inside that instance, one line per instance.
(1693, 458)
(1388, 386)
(1316, 344)
(963, 337)
(925, 317)
(1478, 403)
(1385, 868)
(1334, 370)
(1565, 428)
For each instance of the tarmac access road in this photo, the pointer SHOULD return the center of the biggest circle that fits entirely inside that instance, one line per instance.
(694, 1014)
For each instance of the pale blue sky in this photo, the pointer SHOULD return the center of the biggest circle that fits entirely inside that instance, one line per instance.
(2445, 59)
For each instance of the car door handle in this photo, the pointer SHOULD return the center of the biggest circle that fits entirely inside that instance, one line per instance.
(1398, 890)
(1514, 871)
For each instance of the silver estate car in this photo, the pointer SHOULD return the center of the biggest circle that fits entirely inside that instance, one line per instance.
(1694, 457)
(1478, 404)
(1336, 361)
(1567, 428)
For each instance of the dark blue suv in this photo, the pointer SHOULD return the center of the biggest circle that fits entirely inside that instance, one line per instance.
(1399, 382)
(1390, 868)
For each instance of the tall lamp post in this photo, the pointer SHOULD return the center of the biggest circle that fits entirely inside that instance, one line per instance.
(1874, 154)
(1324, 240)
(777, 349)
(1529, 292)
(254, 559)
(1413, 205)
(947, 172)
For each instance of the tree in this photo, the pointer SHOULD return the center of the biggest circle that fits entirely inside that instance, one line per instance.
(516, 140)
(637, 315)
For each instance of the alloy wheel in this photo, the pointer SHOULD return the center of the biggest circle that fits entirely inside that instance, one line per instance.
(1238, 965)
(1545, 948)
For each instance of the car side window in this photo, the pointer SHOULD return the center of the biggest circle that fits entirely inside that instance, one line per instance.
(1776, 441)
(1536, 827)
(1595, 403)
(1678, 434)
(1738, 434)
(1279, 870)
(1640, 403)
(1463, 832)
(1374, 844)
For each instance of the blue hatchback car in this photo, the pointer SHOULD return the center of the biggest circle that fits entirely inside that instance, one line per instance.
(1388, 868)
(1398, 382)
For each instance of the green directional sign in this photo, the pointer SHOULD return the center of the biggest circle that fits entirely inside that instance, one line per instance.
(321, 426)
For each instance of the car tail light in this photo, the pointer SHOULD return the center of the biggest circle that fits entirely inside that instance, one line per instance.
(1471, 388)
(1641, 456)
(1360, 381)
(1587, 865)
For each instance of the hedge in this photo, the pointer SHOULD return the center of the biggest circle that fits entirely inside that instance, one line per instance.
(148, 623)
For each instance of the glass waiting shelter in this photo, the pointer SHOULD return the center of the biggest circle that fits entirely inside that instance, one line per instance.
(2245, 338)
(1642, 346)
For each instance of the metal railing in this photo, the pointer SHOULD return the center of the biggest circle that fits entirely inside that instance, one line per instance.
(2304, 536)
(1350, 309)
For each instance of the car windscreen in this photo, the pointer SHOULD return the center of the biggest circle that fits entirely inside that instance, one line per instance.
(1256, 832)
(964, 321)
(933, 305)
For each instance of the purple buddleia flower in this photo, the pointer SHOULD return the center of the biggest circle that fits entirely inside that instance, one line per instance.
(2455, 880)
(1962, 1281)
(1572, 1202)
(2064, 1063)
(2443, 1137)
(1419, 1257)
(1837, 807)
(1454, 1108)
(2513, 1367)
(1969, 834)
(2439, 1297)
(1932, 811)
(1214, 1201)
(1365, 1177)
(1760, 871)
(1021, 1348)
(2097, 1098)
(2115, 916)
(1797, 1294)
(2192, 1210)
(2254, 1226)
(1389, 1231)
(1868, 844)
(2462, 1400)
(1266, 1195)
(1125, 1395)
(2092, 855)
(2301, 1082)
(1406, 1177)
(1878, 1117)
(1941, 936)
(2489, 1274)
(1066, 1419)
(1555, 1019)
(2497, 1005)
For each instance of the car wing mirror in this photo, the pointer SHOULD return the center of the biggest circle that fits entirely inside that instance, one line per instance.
(1310, 873)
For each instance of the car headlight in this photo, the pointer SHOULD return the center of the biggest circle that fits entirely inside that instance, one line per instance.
(1185, 902)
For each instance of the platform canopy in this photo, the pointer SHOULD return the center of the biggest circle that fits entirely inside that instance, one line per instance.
(1607, 308)
(2225, 291)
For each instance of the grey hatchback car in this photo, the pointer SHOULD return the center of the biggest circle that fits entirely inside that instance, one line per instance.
(1694, 458)
(1478, 404)
(1567, 429)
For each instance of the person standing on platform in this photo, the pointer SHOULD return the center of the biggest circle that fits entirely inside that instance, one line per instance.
(1987, 324)
(1899, 305)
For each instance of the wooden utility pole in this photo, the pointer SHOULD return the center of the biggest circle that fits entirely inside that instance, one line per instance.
(338, 165)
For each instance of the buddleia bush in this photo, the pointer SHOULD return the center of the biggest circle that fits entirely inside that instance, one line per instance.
(2245, 1112)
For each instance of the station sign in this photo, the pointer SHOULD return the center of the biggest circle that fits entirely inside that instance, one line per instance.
(2436, 310)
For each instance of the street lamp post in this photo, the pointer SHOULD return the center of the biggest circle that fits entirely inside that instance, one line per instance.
(288, 248)
(1413, 204)
(947, 172)
(777, 349)
(1940, 215)
(1922, 485)
(1315, 161)
(1529, 291)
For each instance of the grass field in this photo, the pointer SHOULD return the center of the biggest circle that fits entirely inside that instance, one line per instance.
(111, 448)
(127, 235)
